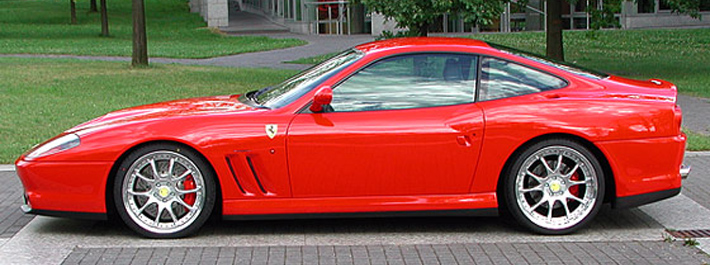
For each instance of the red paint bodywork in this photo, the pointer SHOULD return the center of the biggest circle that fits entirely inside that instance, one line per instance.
(438, 158)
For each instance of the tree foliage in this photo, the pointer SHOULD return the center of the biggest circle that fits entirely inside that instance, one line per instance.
(417, 15)
(687, 7)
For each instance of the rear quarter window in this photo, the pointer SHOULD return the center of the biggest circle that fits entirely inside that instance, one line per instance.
(503, 79)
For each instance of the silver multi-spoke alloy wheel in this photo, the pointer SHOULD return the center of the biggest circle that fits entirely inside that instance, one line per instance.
(163, 193)
(556, 187)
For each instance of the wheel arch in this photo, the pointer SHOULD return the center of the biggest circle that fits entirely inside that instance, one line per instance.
(610, 185)
(108, 194)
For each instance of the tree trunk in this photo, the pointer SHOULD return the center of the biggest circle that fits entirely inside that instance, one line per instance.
(92, 6)
(555, 50)
(140, 42)
(72, 11)
(423, 30)
(104, 19)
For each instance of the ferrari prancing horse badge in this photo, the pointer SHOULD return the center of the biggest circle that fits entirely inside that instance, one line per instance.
(271, 130)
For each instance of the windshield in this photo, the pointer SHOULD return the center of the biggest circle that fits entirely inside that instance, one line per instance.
(575, 69)
(280, 95)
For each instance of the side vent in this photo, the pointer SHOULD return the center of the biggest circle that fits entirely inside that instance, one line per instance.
(256, 176)
(245, 172)
(234, 175)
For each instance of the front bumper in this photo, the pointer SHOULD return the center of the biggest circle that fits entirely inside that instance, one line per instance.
(72, 187)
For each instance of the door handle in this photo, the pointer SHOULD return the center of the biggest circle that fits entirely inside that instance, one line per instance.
(553, 96)
(464, 140)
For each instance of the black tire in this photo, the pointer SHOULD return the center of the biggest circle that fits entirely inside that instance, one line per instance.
(543, 211)
(183, 177)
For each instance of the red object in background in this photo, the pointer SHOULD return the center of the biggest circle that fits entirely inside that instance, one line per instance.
(323, 10)
(401, 160)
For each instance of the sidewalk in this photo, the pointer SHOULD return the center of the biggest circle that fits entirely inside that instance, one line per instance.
(696, 113)
(629, 252)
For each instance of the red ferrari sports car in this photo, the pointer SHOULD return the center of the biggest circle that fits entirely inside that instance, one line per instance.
(414, 126)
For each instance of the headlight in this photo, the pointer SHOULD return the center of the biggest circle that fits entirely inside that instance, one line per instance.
(60, 144)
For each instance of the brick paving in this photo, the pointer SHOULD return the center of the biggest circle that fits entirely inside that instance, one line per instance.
(11, 217)
(629, 252)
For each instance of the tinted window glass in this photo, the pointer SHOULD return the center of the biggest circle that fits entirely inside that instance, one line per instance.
(409, 81)
(502, 79)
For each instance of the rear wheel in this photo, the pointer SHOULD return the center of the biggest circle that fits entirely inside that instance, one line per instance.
(164, 191)
(554, 187)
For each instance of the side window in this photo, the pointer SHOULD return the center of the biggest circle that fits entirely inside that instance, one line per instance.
(409, 81)
(502, 79)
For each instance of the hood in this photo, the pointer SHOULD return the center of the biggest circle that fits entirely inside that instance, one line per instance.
(175, 108)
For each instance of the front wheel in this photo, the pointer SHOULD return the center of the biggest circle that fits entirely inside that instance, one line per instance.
(164, 191)
(554, 187)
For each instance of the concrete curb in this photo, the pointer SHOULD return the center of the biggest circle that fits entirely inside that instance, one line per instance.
(5, 168)
(696, 153)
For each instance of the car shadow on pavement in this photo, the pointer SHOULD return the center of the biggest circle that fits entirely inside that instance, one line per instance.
(610, 224)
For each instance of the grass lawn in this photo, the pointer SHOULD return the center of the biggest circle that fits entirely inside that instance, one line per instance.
(42, 27)
(313, 60)
(697, 142)
(43, 97)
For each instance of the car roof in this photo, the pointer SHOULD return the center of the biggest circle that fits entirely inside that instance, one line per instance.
(418, 41)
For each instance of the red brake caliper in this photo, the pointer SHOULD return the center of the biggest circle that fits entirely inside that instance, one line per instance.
(189, 184)
(574, 190)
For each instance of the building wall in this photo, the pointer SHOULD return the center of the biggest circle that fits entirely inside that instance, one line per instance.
(381, 24)
(658, 20)
(214, 12)
(630, 18)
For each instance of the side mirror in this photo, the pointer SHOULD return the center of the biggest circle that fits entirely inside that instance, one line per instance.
(323, 97)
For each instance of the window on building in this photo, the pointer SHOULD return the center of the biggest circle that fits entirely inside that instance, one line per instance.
(646, 6)
(704, 5)
(663, 5)
(409, 81)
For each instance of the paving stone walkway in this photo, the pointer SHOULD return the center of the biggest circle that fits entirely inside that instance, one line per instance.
(697, 186)
(628, 252)
(11, 217)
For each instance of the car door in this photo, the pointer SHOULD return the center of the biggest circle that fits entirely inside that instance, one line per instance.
(404, 125)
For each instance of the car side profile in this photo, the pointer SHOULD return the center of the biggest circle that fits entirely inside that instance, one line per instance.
(411, 126)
